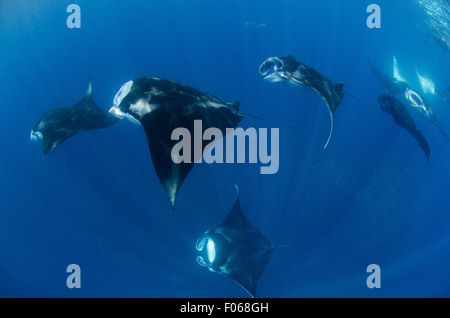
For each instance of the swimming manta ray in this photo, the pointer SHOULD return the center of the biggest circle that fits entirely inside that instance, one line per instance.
(393, 106)
(162, 105)
(398, 85)
(393, 84)
(236, 249)
(61, 123)
(418, 103)
(295, 73)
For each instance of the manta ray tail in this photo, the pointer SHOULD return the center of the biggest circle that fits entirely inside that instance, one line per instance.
(275, 247)
(235, 107)
(268, 121)
(356, 98)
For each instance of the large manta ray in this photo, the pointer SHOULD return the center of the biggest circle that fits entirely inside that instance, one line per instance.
(295, 73)
(397, 84)
(392, 84)
(161, 106)
(236, 249)
(393, 106)
(418, 103)
(61, 123)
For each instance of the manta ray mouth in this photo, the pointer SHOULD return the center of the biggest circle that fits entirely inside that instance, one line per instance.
(121, 94)
(117, 113)
(272, 63)
(210, 253)
(415, 99)
(272, 67)
(274, 78)
(36, 136)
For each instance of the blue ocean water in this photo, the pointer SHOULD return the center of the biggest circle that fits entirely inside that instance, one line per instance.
(369, 198)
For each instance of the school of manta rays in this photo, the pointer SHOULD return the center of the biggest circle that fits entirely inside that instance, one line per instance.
(235, 248)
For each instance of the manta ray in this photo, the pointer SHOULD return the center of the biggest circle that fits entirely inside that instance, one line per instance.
(291, 71)
(418, 103)
(160, 106)
(399, 85)
(236, 249)
(393, 84)
(62, 123)
(399, 112)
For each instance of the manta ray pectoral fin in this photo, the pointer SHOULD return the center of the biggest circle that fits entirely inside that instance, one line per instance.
(397, 75)
(249, 287)
(333, 106)
(426, 84)
(234, 107)
(331, 128)
(49, 145)
(331, 109)
(423, 143)
(88, 94)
